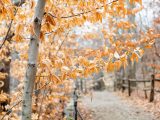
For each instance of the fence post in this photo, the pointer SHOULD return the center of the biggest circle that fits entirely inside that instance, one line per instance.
(152, 89)
(81, 85)
(123, 88)
(75, 97)
(129, 87)
(85, 86)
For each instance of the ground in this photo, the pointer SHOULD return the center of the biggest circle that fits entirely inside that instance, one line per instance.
(108, 106)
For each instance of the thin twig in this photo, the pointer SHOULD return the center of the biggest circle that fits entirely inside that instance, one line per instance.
(6, 36)
(8, 31)
(18, 4)
(47, 83)
(10, 110)
(62, 43)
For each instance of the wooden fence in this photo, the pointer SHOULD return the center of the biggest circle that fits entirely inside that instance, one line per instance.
(127, 84)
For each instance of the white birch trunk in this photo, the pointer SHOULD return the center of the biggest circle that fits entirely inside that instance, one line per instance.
(32, 62)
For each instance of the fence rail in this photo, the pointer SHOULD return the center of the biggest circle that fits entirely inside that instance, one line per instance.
(126, 84)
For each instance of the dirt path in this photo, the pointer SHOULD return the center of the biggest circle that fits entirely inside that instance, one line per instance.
(107, 106)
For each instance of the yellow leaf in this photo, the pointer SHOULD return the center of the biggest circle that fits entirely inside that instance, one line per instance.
(117, 64)
(98, 16)
(58, 63)
(132, 1)
(18, 38)
(24, 56)
(109, 67)
(139, 1)
(81, 4)
(19, 28)
(63, 76)
(86, 72)
(10, 12)
(73, 75)
(50, 20)
(48, 27)
(123, 60)
(134, 57)
(55, 78)
(42, 36)
(6, 1)
(141, 52)
(32, 4)
(148, 46)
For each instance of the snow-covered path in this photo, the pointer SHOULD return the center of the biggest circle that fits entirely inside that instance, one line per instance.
(107, 106)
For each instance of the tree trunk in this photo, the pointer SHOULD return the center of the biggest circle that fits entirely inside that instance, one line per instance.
(6, 87)
(32, 61)
(6, 69)
(131, 68)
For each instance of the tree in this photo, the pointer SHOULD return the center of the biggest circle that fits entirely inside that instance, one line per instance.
(49, 29)
(32, 61)
(5, 62)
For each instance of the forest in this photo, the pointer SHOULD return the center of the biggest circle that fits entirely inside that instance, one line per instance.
(79, 60)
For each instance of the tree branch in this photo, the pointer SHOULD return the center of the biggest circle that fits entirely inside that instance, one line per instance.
(18, 4)
(78, 14)
(62, 43)
(10, 110)
(6, 36)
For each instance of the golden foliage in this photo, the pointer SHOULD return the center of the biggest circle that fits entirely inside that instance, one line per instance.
(60, 57)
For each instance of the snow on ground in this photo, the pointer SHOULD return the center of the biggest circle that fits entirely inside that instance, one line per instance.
(106, 105)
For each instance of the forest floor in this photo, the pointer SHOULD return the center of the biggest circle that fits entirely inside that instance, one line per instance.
(106, 105)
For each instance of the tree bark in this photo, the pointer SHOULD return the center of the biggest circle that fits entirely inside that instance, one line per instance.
(32, 61)
(5, 69)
